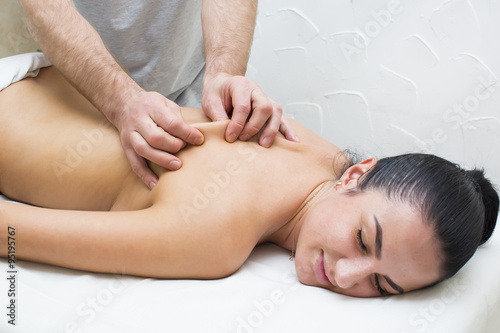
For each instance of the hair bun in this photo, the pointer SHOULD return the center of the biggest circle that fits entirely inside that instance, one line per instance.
(490, 201)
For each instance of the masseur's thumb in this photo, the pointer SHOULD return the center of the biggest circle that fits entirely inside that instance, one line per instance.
(214, 109)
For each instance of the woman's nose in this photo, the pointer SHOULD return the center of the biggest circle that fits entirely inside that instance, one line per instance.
(349, 272)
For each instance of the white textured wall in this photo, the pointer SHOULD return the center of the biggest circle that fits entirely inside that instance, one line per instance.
(387, 77)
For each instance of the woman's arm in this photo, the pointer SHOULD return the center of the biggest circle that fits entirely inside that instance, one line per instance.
(143, 243)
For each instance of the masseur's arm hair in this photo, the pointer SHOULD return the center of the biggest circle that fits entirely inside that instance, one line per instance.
(77, 50)
(228, 27)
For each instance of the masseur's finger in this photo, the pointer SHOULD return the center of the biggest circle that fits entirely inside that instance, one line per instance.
(157, 156)
(213, 106)
(263, 112)
(241, 99)
(288, 131)
(271, 130)
(140, 167)
(173, 123)
(158, 138)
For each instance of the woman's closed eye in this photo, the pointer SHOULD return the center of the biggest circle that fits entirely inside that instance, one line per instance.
(364, 249)
(379, 288)
(360, 241)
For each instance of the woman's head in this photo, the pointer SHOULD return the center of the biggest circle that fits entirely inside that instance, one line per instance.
(403, 223)
(461, 205)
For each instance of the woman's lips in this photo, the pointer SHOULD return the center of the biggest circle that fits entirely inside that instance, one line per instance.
(319, 269)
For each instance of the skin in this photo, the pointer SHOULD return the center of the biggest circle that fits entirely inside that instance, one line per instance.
(201, 221)
(228, 28)
(152, 127)
(408, 258)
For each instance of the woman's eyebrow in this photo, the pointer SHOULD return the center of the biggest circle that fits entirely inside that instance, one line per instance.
(378, 239)
(393, 284)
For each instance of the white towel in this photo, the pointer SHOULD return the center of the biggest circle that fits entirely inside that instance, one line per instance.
(18, 67)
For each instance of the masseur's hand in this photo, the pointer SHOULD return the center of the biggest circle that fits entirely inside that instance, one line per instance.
(252, 111)
(152, 128)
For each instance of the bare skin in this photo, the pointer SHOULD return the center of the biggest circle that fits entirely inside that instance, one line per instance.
(201, 221)
(151, 126)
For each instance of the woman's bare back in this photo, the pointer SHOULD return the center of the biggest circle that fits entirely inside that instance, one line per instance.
(60, 152)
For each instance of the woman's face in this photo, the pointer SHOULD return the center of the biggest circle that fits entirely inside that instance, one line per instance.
(365, 245)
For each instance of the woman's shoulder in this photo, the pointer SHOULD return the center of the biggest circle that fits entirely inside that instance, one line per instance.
(309, 137)
(196, 117)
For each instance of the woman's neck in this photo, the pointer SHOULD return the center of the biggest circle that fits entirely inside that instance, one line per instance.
(286, 236)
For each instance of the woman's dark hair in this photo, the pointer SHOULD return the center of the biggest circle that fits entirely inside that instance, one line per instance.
(461, 205)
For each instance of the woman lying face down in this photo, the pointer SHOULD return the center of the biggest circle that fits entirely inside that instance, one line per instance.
(370, 229)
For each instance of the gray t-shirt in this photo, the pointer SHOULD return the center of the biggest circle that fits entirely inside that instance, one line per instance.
(159, 43)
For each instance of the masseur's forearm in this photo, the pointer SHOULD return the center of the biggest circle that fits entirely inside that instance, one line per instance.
(228, 27)
(77, 50)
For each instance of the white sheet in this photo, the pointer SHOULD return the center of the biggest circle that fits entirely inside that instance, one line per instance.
(263, 296)
(16, 68)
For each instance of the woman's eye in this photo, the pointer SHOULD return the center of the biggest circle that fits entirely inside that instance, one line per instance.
(379, 288)
(360, 241)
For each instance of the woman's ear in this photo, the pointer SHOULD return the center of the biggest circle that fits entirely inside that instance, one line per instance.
(351, 176)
